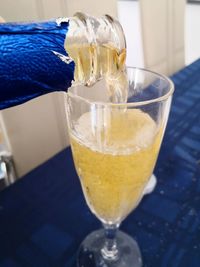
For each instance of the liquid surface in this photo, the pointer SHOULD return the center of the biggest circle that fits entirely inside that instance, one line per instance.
(94, 62)
(114, 162)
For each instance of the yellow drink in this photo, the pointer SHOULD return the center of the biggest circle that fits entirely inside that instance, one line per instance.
(115, 161)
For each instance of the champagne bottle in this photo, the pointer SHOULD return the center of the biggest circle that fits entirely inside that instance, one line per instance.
(42, 57)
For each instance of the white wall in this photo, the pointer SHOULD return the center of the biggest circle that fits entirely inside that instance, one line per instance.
(192, 33)
(155, 33)
(163, 34)
(92, 7)
(129, 17)
(34, 132)
(37, 129)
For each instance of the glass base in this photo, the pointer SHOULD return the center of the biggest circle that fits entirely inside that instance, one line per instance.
(151, 185)
(89, 254)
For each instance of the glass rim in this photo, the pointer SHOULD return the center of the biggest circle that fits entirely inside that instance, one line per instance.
(131, 104)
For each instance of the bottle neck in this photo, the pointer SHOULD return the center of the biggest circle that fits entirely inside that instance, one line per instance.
(95, 45)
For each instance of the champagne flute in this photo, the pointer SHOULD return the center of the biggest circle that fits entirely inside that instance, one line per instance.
(115, 148)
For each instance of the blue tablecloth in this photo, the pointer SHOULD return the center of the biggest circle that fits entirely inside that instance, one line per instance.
(44, 218)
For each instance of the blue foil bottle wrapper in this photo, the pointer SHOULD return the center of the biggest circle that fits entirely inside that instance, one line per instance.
(33, 61)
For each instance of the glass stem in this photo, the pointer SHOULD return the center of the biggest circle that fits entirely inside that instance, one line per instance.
(110, 250)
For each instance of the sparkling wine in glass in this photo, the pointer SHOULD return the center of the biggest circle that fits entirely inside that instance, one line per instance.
(115, 148)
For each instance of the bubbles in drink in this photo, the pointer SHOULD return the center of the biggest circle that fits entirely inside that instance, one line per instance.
(114, 157)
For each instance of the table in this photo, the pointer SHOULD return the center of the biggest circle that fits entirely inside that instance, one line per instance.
(44, 218)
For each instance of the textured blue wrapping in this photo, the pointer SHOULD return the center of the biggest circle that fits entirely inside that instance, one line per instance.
(28, 67)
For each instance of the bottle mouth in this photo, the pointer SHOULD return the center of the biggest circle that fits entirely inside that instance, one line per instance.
(118, 31)
(93, 35)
